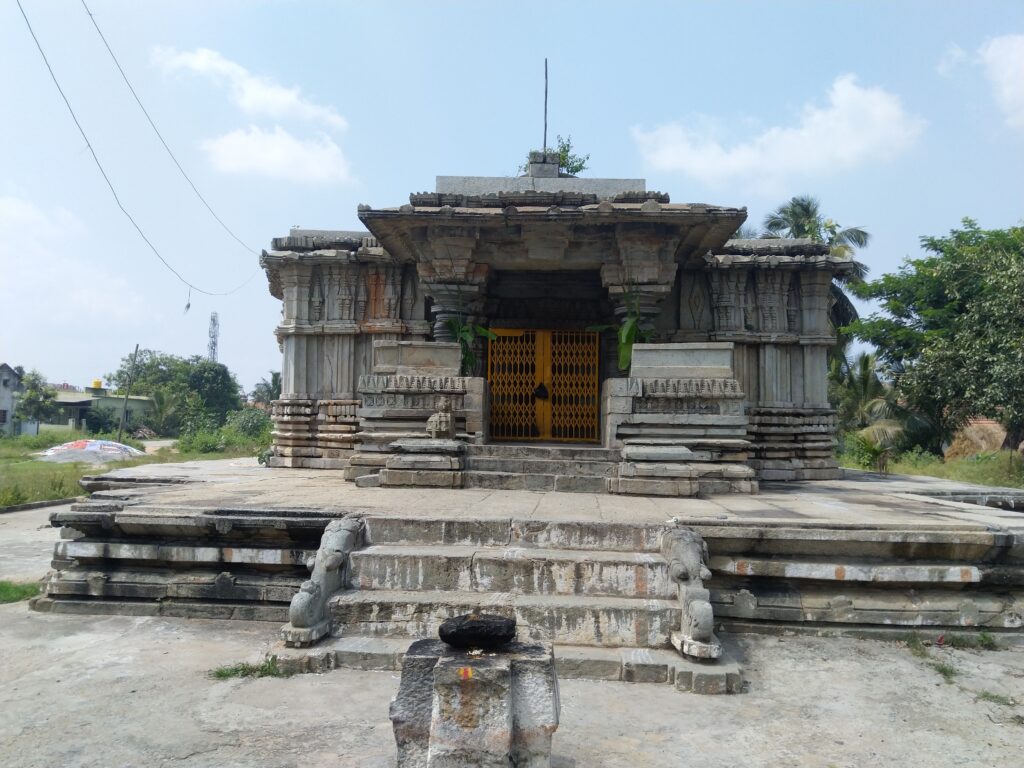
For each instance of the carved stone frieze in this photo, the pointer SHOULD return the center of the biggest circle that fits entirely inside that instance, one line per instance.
(375, 384)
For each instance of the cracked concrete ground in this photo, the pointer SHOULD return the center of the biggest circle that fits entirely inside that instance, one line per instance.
(123, 691)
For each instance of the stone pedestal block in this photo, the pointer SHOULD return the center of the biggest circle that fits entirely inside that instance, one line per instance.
(416, 358)
(456, 709)
(680, 422)
(425, 463)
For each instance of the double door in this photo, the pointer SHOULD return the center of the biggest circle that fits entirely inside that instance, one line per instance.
(544, 385)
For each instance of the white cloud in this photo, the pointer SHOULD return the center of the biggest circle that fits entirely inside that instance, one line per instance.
(278, 154)
(47, 284)
(857, 126)
(952, 58)
(257, 96)
(1003, 60)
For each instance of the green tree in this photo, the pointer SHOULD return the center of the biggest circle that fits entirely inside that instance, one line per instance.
(216, 385)
(179, 377)
(802, 217)
(266, 391)
(952, 328)
(37, 401)
(153, 370)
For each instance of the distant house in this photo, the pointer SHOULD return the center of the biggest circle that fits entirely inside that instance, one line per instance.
(10, 386)
(75, 403)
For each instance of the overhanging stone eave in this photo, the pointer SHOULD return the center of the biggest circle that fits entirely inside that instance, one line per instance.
(393, 227)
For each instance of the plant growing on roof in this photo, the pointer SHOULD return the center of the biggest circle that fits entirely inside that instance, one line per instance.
(569, 163)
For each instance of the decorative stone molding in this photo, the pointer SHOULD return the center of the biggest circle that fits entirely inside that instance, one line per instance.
(448, 385)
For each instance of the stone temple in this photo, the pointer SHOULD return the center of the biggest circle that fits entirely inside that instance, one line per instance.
(470, 340)
(726, 386)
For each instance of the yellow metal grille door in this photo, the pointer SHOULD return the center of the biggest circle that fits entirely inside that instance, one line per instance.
(574, 398)
(543, 385)
(512, 373)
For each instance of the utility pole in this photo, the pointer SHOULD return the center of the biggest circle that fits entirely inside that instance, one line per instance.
(127, 391)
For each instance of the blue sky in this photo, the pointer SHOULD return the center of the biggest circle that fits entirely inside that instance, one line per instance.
(902, 117)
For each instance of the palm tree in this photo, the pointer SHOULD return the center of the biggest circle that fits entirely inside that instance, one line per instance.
(870, 411)
(164, 418)
(267, 391)
(802, 217)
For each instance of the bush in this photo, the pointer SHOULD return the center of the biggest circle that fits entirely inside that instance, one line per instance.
(247, 430)
(918, 458)
(250, 422)
(203, 441)
(858, 451)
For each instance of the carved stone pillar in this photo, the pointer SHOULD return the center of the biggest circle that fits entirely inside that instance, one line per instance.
(771, 294)
(729, 298)
(817, 335)
(644, 273)
(448, 275)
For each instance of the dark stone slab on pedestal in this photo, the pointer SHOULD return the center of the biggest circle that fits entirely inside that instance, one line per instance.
(478, 630)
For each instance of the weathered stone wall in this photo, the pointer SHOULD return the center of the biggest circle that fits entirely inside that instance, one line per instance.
(339, 293)
(771, 299)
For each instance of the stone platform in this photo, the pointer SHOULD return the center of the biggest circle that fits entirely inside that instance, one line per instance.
(230, 539)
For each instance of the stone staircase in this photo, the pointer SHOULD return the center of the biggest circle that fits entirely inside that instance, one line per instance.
(586, 584)
(581, 469)
(599, 592)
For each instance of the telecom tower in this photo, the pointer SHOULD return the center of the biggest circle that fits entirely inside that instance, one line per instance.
(211, 349)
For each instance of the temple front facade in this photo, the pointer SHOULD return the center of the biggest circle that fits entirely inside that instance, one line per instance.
(565, 333)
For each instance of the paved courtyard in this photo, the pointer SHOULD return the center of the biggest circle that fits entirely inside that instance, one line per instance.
(125, 691)
(863, 500)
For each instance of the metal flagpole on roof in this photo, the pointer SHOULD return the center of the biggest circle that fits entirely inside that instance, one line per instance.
(544, 146)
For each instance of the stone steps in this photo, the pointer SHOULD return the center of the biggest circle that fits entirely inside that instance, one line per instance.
(540, 451)
(518, 467)
(572, 662)
(573, 582)
(504, 531)
(541, 466)
(513, 481)
(512, 570)
(567, 619)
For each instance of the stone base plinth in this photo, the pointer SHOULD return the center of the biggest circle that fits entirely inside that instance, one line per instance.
(313, 434)
(666, 467)
(302, 637)
(793, 443)
(457, 708)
